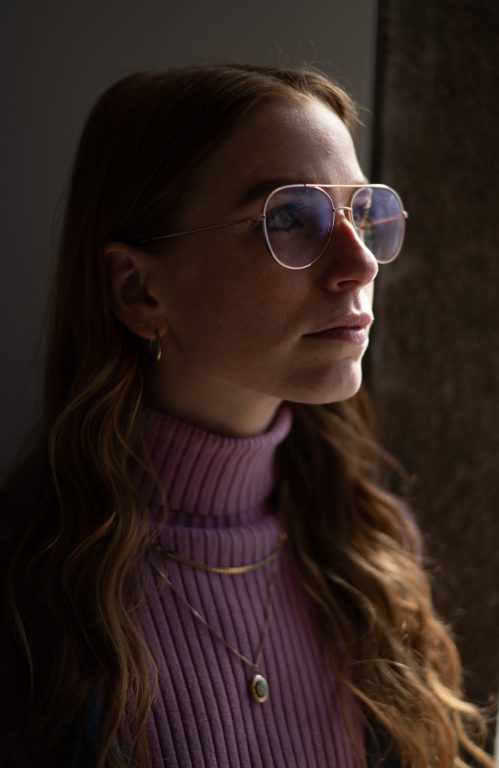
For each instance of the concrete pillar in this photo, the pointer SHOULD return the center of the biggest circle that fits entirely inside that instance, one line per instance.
(434, 365)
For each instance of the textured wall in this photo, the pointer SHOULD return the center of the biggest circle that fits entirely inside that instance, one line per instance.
(434, 368)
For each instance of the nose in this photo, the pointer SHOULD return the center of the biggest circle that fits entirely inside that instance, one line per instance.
(347, 263)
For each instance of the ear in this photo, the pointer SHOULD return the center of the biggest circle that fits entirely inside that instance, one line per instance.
(130, 295)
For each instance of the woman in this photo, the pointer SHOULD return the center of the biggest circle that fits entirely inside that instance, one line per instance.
(203, 568)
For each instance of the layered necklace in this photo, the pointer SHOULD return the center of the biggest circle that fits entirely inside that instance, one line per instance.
(258, 684)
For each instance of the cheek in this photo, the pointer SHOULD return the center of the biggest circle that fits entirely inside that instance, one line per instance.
(233, 310)
(213, 309)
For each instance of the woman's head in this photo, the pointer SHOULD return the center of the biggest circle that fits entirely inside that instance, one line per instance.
(169, 152)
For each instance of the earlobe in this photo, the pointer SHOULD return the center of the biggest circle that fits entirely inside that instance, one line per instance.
(129, 293)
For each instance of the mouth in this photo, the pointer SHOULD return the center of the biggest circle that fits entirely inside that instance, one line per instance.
(351, 321)
(348, 324)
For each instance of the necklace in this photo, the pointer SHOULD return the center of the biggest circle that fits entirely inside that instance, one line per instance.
(226, 570)
(258, 685)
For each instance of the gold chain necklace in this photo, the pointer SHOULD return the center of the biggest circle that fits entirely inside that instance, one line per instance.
(258, 685)
(226, 570)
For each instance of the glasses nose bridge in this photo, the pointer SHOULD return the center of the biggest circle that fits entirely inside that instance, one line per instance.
(348, 213)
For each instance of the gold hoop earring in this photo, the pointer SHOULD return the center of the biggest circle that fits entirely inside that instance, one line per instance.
(155, 348)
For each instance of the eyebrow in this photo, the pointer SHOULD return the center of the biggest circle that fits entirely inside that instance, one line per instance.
(263, 187)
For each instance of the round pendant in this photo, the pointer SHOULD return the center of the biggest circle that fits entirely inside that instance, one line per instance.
(259, 689)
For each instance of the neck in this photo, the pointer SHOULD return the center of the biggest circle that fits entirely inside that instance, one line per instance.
(210, 403)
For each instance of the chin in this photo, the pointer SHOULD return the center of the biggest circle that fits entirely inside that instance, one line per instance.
(341, 385)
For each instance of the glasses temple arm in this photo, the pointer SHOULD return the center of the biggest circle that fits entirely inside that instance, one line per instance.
(202, 229)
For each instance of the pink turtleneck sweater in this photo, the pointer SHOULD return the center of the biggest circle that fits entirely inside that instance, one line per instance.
(203, 716)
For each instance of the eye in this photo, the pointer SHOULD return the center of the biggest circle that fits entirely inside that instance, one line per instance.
(285, 218)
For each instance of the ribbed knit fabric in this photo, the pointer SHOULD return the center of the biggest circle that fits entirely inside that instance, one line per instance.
(218, 490)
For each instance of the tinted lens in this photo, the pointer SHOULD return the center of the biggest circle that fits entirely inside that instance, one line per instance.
(298, 223)
(378, 215)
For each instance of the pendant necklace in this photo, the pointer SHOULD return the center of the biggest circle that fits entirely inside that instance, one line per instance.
(258, 685)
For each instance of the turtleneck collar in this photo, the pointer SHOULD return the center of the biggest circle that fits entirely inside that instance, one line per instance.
(206, 474)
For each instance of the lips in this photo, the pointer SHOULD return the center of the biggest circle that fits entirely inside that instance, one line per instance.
(350, 321)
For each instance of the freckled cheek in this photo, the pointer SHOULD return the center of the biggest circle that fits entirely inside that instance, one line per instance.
(240, 307)
(211, 316)
(241, 324)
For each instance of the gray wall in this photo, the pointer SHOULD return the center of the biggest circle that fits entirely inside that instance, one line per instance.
(59, 56)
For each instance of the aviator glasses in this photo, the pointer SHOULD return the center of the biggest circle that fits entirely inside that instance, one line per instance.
(298, 221)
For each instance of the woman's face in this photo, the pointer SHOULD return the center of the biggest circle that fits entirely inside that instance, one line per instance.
(241, 327)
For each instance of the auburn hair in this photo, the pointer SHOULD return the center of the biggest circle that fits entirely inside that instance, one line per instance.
(73, 532)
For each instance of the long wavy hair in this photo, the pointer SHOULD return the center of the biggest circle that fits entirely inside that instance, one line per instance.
(74, 533)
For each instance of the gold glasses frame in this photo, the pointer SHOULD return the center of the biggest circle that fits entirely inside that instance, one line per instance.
(347, 209)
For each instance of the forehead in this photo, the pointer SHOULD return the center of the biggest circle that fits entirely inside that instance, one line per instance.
(298, 141)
